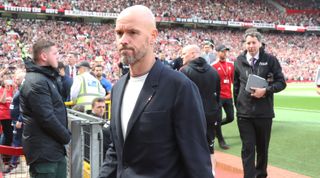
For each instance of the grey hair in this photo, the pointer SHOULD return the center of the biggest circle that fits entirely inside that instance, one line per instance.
(253, 33)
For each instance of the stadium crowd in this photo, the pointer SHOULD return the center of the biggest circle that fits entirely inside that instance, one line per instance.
(91, 41)
(302, 5)
(259, 10)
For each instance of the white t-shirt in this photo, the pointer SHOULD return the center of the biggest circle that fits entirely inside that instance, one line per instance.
(129, 100)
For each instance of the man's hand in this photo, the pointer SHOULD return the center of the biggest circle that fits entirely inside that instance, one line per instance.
(18, 125)
(258, 92)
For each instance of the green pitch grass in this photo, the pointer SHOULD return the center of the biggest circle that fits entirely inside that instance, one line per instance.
(295, 140)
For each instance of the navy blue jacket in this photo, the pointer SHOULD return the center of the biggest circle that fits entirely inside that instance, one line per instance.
(166, 133)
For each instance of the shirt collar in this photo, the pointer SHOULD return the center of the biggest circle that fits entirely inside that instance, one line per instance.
(249, 57)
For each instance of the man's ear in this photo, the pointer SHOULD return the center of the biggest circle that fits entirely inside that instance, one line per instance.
(154, 35)
(43, 56)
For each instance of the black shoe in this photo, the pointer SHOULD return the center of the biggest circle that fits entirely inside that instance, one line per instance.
(223, 145)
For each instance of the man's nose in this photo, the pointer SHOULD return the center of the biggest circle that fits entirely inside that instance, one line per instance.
(124, 40)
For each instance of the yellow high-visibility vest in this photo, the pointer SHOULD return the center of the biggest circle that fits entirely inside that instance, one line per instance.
(90, 89)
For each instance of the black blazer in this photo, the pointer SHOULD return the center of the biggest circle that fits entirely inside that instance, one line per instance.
(166, 134)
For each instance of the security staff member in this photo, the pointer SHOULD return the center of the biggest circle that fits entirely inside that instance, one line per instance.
(255, 110)
(85, 87)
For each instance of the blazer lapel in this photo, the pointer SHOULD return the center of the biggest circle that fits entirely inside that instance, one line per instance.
(117, 106)
(146, 94)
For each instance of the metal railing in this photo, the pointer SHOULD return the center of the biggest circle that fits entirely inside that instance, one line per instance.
(86, 144)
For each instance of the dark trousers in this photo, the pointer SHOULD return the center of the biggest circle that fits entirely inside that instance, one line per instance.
(211, 122)
(49, 169)
(7, 132)
(255, 137)
(227, 106)
(17, 142)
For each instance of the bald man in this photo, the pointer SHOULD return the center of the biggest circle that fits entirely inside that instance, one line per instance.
(158, 126)
(207, 80)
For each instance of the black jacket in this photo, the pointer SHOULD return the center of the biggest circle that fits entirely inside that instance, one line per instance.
(44, 116)
(208, 82)
(268, 67)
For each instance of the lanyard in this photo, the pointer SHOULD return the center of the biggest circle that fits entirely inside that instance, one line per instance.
(226, 72)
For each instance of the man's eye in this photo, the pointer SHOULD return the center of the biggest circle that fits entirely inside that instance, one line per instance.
(119, 33)
(132, 32)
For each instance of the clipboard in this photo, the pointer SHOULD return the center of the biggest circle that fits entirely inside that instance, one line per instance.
(255, 81)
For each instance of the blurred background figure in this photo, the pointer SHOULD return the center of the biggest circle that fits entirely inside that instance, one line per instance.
(66, 82)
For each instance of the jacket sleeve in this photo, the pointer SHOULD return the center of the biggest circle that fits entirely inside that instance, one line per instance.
(236, 83)
(109, 166)
(279, 82)
(40, 102)
(190, 130)
(218, 88)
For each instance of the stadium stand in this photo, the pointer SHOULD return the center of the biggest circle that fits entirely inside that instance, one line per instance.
(258, 10)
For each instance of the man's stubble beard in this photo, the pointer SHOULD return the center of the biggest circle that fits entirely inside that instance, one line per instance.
(129, 60)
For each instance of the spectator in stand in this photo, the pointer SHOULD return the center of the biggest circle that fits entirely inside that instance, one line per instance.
(88, 39)
(225, 70)
(45, 130)
(255, 110)
(150, 125)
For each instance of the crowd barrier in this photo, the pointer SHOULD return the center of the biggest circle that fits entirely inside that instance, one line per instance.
(85, 152)
(21, 170)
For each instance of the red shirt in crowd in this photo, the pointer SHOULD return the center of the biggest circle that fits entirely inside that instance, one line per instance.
(5, 107)
(225, 70)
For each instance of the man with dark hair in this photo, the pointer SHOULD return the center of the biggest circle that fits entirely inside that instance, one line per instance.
(66, 82)
(98, 110)
(98, 107)
(225, 70)
(45, 131)
(98, 72)
(255, 109)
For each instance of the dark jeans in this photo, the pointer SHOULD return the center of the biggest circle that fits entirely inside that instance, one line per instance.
(17, 142)
(49, 169)
(7, 132)
(255, 137)
(227, 106)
